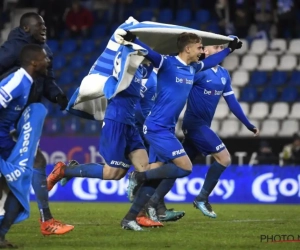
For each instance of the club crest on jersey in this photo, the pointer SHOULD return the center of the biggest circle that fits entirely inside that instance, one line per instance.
(223, 80)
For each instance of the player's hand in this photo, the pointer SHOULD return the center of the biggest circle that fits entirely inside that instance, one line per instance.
(235, 44)
(124, 35)
(62, 101)
(255, 131)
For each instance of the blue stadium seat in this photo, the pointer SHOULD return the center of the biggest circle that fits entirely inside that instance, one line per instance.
(102, 47)
(99, 31)
(92, 127)
(53, 45)
(77, 61)
(72, 126)
(146, 15)
(183, 16)
(202, 16)
(289, 94)
(66, 77)
(258, 78)
(214, 27)
(249, 94)
(113, 28)
(81, 75)
(155, 4)
(165, 16)
(52, 126)
(49, 106)
(295, 78)
(87, 46)
(68, 46)
(195, 25)
(59, 62)
(71, 91)
(278, 78)
(269, 94)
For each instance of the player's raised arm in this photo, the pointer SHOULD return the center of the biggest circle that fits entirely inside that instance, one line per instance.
(152, 55)
(217, 58)
(236, 108)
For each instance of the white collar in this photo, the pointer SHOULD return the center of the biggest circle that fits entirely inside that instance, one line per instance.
(180, 60)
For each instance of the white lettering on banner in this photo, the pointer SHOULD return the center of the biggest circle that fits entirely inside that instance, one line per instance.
(275, 186)
(14, 175)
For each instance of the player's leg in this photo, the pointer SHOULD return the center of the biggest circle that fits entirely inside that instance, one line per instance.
(17, 170)
(207, 142)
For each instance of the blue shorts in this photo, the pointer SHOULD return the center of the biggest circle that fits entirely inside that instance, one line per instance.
(164, 146)
(117, 141)
(203, 140)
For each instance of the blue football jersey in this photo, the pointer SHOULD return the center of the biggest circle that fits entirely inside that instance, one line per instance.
(14, 92)
(204, 97)
(174, 82)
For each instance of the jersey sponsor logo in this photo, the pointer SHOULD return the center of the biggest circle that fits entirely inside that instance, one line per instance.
(220, 146)
(212, 92)
(120, 163)
(184, 80)
(4, 96)
(223, 80)
(178, 152)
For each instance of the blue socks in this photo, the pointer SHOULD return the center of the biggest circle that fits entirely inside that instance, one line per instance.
(166, 171)
(12, 209)
(163, 188)
(211, 180)
(90, 170)
(39, 184)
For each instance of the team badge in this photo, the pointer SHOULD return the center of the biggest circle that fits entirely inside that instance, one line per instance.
(223, 80)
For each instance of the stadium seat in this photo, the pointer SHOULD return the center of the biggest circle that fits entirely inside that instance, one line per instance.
(240, 78)
(146, 15)
(81, 75)
(295, 78)
(249, 62)
(279, 110)
(268, 63)
(231, 62)
(244, 49)
(72, 125)
(98, 31)
(295, 114)
(244, 131)
(258, 78)
(92, 127)
(249, 94)
(259, 110)
(236, 92)
(269, 94)
(258, 47)
(289, 94)
(214, 28)
(269, 128)
(58, 62)
(277, 46)
(278, 78)
(288, 128)
(294, 47)
(88, 46)
(71, 91)
(178, 130)
(154, 4)
(202, 16)
(52, 126)
(287, 62)
(66, 77)
(53, 45)
(245, 107)
(77, 61)
(183, 16)
(215, 125)
(229, 128)
(221, 111)
(68, 46)
(165, 16)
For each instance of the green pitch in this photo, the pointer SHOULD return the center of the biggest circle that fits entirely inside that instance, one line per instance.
(97, 226)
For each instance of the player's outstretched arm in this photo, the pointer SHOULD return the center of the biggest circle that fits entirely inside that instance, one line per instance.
(217, 58)
(152, 55)
(237, 110)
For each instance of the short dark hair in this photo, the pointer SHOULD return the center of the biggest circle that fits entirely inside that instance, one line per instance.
(186, 38)
(29, 53)
(24, 20)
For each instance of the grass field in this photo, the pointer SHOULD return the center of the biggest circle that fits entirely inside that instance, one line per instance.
(97, 226)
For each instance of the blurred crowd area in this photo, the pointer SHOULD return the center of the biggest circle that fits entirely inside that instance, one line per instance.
(245, 18)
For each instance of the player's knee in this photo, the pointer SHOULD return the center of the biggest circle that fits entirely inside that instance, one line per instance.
(111, 173)
(225, 160)
(40, 160)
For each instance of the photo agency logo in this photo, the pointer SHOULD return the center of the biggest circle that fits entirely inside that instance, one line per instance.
(277, 238)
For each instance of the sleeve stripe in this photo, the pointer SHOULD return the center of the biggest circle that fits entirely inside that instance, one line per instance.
(14, 82)
(202, 65)
(3, 102)
(161, 61)
(228, 93)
